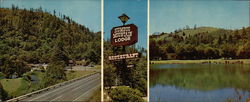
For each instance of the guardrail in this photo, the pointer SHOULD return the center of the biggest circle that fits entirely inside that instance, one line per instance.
(47, 88)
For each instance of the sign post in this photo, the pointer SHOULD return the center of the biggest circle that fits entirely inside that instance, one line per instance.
(123, 36)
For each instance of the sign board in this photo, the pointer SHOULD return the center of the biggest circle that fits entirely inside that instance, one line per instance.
(124, 35)
(124, 56)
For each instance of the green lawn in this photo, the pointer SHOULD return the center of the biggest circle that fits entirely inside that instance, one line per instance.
(20, 86)
(11, 85)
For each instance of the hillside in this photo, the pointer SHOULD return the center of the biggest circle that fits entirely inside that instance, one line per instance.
(36, 36)
(188, 32)
(201, 43)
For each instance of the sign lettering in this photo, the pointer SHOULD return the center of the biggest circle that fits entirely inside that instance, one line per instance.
(124, 56)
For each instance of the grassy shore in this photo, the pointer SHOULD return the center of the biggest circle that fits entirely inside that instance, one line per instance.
(214, 61)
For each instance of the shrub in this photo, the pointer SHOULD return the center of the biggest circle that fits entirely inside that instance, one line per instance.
(126, 94)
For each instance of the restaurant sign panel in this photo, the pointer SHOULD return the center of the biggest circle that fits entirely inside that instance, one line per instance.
(124, 56)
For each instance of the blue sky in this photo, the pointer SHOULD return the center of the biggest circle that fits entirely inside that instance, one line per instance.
(85, 12)
(135, 9)
(169, 15)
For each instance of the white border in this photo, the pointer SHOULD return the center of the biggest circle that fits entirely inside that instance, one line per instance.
(148, 31)
(102, 34)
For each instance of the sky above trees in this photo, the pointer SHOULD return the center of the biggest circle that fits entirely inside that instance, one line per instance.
(135, 9)
(169, 15)
(85, 12)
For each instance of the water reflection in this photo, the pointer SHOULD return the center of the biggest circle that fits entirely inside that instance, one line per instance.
(175, 94)
(199, 82)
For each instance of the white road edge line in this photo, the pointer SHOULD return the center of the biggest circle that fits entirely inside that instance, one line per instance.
(56, 98)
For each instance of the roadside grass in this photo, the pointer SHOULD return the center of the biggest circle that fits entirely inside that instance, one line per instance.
(96, 97)
(76, 74)
(97, 67)
(222, 61)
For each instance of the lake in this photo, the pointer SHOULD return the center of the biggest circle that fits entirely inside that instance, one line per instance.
(199, 82)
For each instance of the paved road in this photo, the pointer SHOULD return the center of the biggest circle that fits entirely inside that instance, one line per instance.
(80, 90)
(83, 68)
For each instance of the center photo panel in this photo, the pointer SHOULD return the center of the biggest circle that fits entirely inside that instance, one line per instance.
(125, 51)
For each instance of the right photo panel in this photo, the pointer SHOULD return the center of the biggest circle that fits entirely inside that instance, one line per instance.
(199, 51)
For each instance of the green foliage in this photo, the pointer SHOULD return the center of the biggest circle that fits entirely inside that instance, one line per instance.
(201, 43)
(126, 94)
(137, 76)
(115, 74)
(54, 74)
(141, 85)
(27, 77)
(55, 71)
(35, 36)
(13, 65)
(57, 54)
(110, 76)
(244, 51)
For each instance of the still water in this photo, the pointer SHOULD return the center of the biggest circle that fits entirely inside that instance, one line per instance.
(199, 82)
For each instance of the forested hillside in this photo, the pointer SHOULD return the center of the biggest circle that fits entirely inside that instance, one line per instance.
(37, 36)
(201, 43)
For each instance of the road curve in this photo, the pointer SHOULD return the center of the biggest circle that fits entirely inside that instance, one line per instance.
(80, 90)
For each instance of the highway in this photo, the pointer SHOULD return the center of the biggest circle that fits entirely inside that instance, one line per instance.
(80, 90)
(83, 68)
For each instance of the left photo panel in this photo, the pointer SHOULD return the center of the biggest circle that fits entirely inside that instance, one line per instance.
(50, 50)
